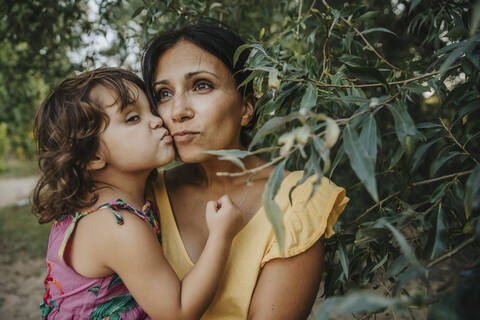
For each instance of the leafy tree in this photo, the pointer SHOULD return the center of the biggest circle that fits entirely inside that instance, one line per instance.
(36, 39)
(397, 85)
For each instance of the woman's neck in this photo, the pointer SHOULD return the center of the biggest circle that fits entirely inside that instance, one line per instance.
(205, 173)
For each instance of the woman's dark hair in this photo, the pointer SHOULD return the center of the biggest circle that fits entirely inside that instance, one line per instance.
(220, 42)
(67, 127)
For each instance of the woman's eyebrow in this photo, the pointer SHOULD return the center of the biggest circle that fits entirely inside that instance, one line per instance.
(161, 82)
(191, 74)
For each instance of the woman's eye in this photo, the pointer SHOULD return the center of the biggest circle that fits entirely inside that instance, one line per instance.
(133, 118)
(162, 95)
(203, 86)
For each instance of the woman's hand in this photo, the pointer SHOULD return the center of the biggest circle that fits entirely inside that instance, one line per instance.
(224, 219)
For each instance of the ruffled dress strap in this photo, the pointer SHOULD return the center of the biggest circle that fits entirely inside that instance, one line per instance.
(148, 213)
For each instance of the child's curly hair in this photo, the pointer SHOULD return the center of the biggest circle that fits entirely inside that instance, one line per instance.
(67, 127)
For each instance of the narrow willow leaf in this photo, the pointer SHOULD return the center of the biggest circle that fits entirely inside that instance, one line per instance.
(137, 11)
(405, 247)
(360, 161)
(273, 211)
(404, 125)
(342, 254)
(368, 137)
(457, 53)
(414, 4)
(380, 264)
(397, 266)
(242, 48)
(472, 190)
(271, 125)
(437, 164)
(379, 30)
(355, 302)
(466, 110)
(309, 98)
(420, 154)
(475, 19)
(441, 234)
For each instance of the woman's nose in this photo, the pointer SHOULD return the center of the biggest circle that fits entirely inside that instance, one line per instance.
(181, 110)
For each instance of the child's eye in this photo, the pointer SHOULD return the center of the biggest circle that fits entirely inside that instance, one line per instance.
(202, 86)
(133, 118)
(162, 94)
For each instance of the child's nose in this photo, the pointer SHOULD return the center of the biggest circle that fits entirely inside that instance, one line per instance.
(156, 122)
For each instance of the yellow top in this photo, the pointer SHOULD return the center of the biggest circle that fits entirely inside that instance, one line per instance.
(305, 222)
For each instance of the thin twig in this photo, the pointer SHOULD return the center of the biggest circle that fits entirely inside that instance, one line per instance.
(299, 17)
(451, 252)
(370, 109)
(374, 206)
(253, 170)
(456, 141)
(324, 49)
(364, 39)
(458, 174)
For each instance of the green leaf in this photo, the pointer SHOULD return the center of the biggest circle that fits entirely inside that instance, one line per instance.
(404, 125)
(380, 264)
(475, 19)
(437, 164)
(367, 74)
(472, 190)
(233, 155)
(271, 126)
(137, 11)
(396, 267)
(273, 211)
(368, 137)
(379, 30)
(441, 234)
(405, 247)
(309, 98)
(360, 161)
(242, 48)
(342, 253)
(420, 153)
(414, 4)
(355, 302)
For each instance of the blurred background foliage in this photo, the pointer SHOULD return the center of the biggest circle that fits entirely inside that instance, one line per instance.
(398, 81)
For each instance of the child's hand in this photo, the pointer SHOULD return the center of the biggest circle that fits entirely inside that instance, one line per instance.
(224, 218)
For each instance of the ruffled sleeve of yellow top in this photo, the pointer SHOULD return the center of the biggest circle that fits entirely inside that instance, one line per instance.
(306, 220)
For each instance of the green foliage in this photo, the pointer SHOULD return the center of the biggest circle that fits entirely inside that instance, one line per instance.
(409, 161)
(381, 96)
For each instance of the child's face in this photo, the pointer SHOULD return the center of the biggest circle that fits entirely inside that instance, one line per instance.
(134, 139)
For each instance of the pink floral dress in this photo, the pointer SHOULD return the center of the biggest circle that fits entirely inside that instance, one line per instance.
(68, 295)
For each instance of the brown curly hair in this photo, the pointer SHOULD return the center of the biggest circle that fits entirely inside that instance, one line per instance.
(67, 127)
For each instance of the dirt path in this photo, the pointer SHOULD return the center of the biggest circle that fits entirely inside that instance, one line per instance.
(13, 190)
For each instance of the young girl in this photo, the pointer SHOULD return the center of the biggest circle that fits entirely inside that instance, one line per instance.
(98, 143)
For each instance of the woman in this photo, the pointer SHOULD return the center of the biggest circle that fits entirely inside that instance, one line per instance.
(191, 78)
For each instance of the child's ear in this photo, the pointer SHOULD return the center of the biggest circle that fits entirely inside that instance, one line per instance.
(248, 110)
(97, 163)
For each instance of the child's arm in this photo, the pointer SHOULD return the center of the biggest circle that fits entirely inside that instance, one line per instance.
(133, 252)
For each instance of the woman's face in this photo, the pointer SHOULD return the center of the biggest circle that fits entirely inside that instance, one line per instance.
(197, 98)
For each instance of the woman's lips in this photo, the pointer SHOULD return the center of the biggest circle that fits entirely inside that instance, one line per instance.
(184, 136)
